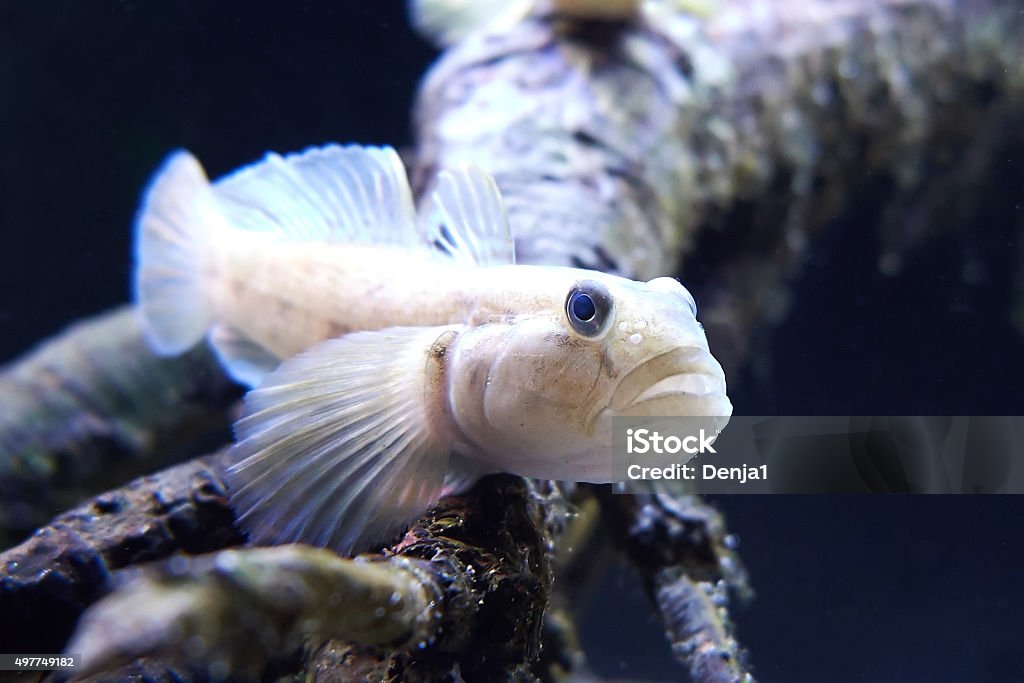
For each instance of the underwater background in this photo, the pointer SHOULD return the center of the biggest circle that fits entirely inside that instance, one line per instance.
(849, 588)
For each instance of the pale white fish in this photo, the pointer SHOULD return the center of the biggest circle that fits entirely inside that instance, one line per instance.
(443, 360)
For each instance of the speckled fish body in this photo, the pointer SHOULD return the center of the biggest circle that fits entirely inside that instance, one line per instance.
(417, 355)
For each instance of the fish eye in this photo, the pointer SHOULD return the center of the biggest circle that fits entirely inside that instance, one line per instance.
(588, 307)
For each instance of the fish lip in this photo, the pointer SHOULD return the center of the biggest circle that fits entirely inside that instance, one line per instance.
(691, 383)
(674, 369)
(688, 370)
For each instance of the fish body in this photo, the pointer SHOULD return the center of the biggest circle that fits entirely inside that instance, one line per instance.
(417, 356)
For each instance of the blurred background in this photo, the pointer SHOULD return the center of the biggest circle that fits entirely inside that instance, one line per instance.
(93, 95)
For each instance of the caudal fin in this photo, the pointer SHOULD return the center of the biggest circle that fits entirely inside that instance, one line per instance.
(175, 220)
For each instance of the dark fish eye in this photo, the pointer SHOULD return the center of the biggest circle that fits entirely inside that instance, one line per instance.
(583, 307)
(588, 307)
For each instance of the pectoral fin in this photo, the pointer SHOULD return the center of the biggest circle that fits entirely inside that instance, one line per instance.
(462, 474)
(345, 444)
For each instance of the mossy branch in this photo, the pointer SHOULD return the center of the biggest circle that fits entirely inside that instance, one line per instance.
(49, 579)
(464, 591)
(93, 407)
(234, 608)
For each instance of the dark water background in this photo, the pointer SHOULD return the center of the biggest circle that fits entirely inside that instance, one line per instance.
(93, 95)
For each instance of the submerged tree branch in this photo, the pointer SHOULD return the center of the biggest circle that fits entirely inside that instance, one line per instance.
(689, 566)
(463, 593)
(236, 607)
(47, 581)
(733, 137)
(94, 407)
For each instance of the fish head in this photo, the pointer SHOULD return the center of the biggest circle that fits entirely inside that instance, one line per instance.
(547, 384)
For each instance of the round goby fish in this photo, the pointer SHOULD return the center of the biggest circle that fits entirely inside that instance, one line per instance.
(417, 356)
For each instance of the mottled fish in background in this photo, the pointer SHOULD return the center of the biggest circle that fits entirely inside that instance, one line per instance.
(419, 357)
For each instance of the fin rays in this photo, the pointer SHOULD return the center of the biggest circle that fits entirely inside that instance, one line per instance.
(348, 194)
(331, 454)
(468, 219)
(332, 194)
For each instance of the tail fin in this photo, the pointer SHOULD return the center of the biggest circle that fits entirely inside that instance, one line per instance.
(171, 228)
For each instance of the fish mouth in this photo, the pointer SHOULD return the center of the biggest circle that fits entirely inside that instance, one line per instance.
(685, 381)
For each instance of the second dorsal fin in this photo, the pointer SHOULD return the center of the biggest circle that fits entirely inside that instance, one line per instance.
(466, 218)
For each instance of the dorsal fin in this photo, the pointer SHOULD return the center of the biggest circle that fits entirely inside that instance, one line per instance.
(335, 193)
(467, 219)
